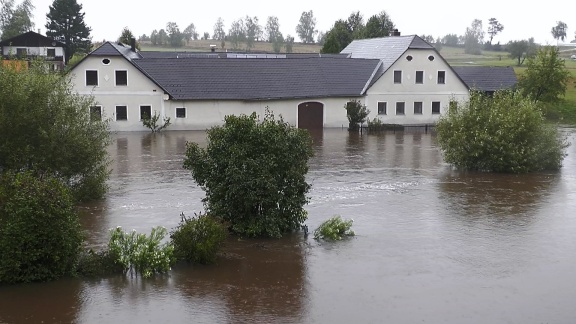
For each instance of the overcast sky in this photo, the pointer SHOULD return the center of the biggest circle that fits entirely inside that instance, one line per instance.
(521, 20)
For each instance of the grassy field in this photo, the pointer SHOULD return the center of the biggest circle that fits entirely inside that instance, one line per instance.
(204, 46)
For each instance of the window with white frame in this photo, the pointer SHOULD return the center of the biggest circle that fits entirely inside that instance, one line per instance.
(145, 112)
(397, 76)
(121, 78)
(91, 78)
(181, 112)
(381, 108)
(400, 108)
(418, 108)
(419, 77)
(441, 77)
(435, 107)
(121, 113)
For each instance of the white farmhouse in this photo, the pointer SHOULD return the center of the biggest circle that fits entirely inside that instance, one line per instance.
(402, 79)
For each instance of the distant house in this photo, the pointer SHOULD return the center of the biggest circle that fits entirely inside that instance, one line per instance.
(402, 80)
(30, 46)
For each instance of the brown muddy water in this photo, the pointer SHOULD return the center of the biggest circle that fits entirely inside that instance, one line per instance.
(433, 245)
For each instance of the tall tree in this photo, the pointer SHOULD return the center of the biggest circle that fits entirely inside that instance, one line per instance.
(253, 31)
(306, 28)
(272, 29)
(520, 50)
(559, 31)
(379, 25)
(546, 76)
(15, 21)
(174, 34)
(154, 37)
(190, 33)
(237, 33)
(219, 33)
(289, 43)
(355, 25)
(494, 28)
(450, 40)
(126, 36)
(474, 37)
(337, 38)
(65, 23)
(162, 38)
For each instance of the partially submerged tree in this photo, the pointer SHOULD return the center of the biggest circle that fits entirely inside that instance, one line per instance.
(503, 133)
(65, 23)
(253, 172)
(356, 113)
(55, 138)
(546, 76)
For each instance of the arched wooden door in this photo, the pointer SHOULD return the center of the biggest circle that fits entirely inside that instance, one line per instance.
(311, 115)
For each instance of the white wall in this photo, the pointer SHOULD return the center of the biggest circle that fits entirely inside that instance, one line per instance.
(409, 92)
(41, 51)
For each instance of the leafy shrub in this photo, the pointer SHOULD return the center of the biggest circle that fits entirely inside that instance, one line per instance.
(356, 113)
(504, 133)
(152, 122)
(375, 125)
(40, 234)
(546, 77)
(198, 239)
(141, 253)
(253, 173)
(97, 264)
(334, 228)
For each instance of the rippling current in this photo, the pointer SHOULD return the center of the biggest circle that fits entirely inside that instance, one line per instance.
(433, 245)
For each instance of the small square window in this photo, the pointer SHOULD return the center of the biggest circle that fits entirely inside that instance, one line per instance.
(121, 78)
(441, 77)
(121, 113)
(435, 107)
(400, 108)
(92, 78)
(51, 52)
(145, 112)
(180, 112)
(381, 108)
(418, 108)
(96, 113)
(397, 76)
(21, 52)
(419, 77)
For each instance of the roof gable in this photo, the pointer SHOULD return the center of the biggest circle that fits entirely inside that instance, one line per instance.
(31, 39)
(487, 78)
(257, 79)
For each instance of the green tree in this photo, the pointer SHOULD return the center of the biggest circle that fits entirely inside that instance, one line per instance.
(219, 33)
(57, 137)
(356, 113)
(473, 38)
(355, 24)
(494, 28)
(450, 40)
(520, 50)
(379, 25)
(337, 38)
(162, 38)
(306, 28)
(126, 37)
(237, 33)
(273, 34)
(65, 23)
(198, 239)
(503, 133)
(253, 31)
(40, 233)
(253, 173)
(559, 31)
(154, 37)
(190, 33)
(174, 34)
(289, 43)
(15, 21)
(546, 76)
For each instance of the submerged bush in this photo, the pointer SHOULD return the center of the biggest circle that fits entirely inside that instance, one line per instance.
(198, 239)
(139, 253)
(40, 234)
(254, 174)
(97, 264)
(334, 228)
(356, 113)
(503, 133)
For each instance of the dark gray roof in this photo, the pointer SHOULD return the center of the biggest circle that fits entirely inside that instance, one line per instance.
(487, 78)
(115, 49)
(386, 49)
(256, 79)
(31, 39)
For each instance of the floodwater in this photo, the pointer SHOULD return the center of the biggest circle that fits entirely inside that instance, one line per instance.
(433, 245)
